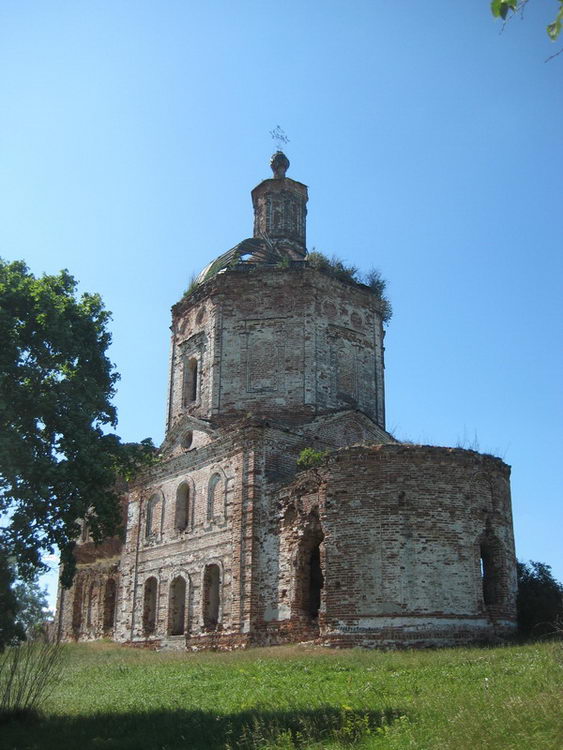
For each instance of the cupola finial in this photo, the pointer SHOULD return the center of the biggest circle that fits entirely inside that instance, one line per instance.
(279, 164)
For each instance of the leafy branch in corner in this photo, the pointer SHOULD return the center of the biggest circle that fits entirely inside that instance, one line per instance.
(505, 8)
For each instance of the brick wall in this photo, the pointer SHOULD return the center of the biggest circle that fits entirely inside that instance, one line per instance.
(404, 530)
(289, 343)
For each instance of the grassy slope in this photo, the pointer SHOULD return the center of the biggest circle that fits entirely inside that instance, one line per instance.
(111, 697)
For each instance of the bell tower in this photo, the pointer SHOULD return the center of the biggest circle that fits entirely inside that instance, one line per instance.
(280, 210)
(265, 333)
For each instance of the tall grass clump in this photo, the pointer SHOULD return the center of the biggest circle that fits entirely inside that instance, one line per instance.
(26, 673)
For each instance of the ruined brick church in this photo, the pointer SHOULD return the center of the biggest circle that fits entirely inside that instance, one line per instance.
(229, 544)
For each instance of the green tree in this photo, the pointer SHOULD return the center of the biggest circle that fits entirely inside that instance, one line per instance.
(540, 599)
(33, 608)
(57, 462)
(504, 8)
(11, 630)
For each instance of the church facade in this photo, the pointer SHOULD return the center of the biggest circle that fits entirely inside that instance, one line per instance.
(229, 542)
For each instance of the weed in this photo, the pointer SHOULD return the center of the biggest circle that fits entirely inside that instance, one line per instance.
(192, 285)
(26, 673)
(309, 458)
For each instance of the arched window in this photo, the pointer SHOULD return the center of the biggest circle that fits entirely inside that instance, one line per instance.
(149, 606)
(109, 605)
(182, 515)
(150, 517)
(191, 380)
(177, 606)
(211, 597)
(214, 497)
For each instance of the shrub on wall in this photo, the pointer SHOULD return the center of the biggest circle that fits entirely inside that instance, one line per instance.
(309, 458)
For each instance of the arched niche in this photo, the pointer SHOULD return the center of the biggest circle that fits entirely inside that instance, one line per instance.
(211, 597)
(150, 605)
(177, 606)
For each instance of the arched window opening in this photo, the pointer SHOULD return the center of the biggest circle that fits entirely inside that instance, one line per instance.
(191, 378)
(77, 607)
(149, 606)
(91, 606)
(110, 596)
(177, 606)
(211, 597)
(214, 498)
(491, 573)
(150, 518)
(182, 515)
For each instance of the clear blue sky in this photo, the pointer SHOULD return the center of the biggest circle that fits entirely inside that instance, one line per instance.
(131, 133)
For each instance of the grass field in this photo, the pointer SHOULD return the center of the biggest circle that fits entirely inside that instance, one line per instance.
(308, 697)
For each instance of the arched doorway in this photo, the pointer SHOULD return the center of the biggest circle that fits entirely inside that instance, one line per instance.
(177, 606)
(211, 597)
(309, 578)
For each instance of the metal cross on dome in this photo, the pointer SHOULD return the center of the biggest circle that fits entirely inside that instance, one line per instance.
(279, 136)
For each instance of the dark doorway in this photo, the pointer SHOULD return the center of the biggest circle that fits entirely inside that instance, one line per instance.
(309, 577)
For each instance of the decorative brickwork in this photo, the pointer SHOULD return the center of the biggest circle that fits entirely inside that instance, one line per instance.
(227, 545)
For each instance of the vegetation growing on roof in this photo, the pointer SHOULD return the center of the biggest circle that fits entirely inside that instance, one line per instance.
(333, 266)
(192, 286)
(338, 268)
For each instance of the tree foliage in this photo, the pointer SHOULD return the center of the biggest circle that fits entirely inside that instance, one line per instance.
(33, 608)
(57, 463)
(540, 599)
(503, 9)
